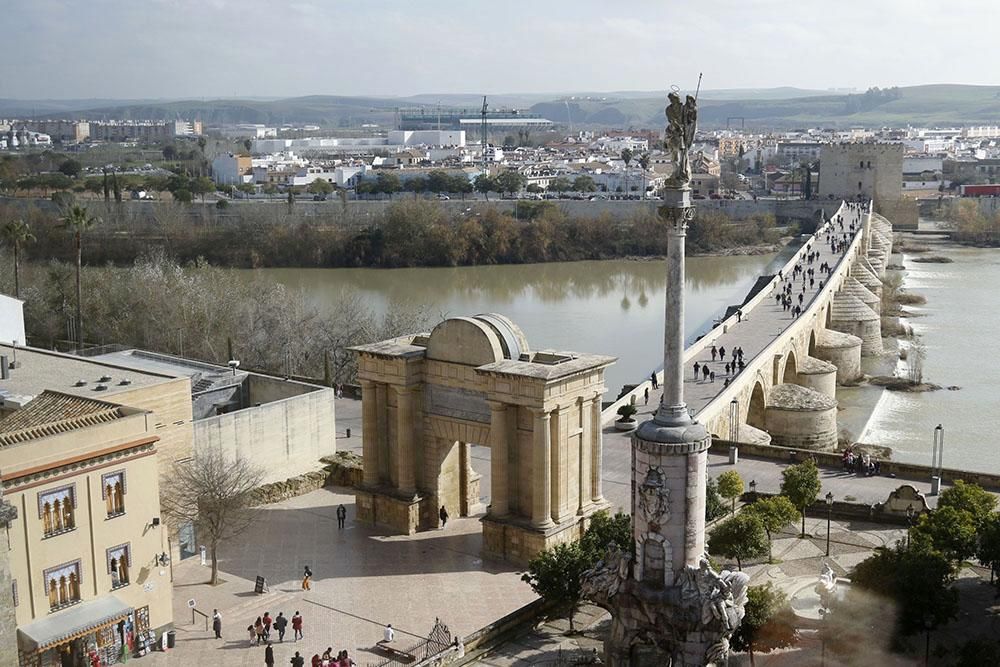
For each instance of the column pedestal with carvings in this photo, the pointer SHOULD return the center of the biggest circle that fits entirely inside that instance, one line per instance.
(666, 590)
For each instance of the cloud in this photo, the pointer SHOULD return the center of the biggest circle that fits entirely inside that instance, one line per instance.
(221, 48)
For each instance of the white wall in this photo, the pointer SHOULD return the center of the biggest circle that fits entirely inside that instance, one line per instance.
(11, 320)
(286, 437)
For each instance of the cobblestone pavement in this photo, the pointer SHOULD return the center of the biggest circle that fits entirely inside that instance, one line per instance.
(363, 579)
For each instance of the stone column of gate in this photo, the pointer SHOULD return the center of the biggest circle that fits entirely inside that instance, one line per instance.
(369, 433)
(596, 452)
(560, 473)
(541, 470)
(584, 483)
(405, 473)
(499, 439)
(382, 430)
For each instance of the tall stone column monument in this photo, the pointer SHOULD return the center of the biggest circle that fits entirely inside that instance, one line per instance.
(668, 606)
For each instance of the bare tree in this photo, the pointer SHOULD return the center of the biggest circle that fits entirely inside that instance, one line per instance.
(214, 492)
(915, 362)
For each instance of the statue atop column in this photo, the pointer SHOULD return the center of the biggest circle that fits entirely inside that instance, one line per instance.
(682, 121)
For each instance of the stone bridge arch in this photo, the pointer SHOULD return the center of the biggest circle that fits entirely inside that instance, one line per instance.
(757, 406)
(427, 397)
(790, 374)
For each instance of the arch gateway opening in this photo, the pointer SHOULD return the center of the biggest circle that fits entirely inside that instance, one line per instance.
(426, 398)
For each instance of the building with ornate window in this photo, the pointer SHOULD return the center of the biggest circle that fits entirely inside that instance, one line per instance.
(89, 571)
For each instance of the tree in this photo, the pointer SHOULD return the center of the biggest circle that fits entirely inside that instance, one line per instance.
(988, 550)
(71, 168)
(741, 536)
(768, 623)
(78, 220)
(555, 575)
(774, 512)
(713, 503)
(948, 530)
(215, 493)
(917, 578)
(510, 181)
(606, 529)
(15, 234)
(584, 183)
(971, 498)
(415, 185)
(387, 183)
(247, 144)
(202, 186)
(560, 184)
(320, 187)
(438, 181)
(644, 162)
(202, 142)
(485, 184)
(182, 195)
(169, 152)
(627, 156)
(533, 188)
(800, 484)
(731, 486)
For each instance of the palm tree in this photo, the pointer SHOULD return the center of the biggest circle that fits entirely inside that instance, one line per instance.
(627, 156)
(16, 233)
(644, 165)
(78, 220)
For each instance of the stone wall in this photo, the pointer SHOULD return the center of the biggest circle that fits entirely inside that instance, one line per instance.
(343, 469)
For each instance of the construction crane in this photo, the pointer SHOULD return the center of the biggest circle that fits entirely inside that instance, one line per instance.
(484, 132)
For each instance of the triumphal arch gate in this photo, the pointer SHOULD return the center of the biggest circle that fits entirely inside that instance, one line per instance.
(474, 380)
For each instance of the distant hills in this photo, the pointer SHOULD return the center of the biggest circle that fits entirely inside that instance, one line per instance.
(778, 108)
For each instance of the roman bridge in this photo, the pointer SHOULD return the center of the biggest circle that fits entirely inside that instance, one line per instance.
(786, 393)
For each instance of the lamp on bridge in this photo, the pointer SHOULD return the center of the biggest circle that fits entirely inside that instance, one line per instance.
(753, 489)
(734, 431)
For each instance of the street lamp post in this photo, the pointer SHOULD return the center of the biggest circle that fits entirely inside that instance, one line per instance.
(909, 523)
(753, 489)
(829, 516)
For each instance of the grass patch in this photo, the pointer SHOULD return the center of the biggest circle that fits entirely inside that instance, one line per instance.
(933, 259)
(910, 299)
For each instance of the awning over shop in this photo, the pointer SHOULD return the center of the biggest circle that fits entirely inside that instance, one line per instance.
(71, 623)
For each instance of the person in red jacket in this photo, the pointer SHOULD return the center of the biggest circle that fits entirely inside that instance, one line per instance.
(297, 626)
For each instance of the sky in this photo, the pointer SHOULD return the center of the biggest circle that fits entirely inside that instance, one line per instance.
(131, 49)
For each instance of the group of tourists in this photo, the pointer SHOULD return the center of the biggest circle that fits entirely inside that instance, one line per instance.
(861, 463)
(259, 632)
(735, 365)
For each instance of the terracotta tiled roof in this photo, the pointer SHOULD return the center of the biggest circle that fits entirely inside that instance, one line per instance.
(53, 412)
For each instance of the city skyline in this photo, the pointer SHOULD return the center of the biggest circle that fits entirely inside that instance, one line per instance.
(221, 49)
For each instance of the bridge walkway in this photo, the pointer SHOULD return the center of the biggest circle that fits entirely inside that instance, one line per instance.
(760, 325)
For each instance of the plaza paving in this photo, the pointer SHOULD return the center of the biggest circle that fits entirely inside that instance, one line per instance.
(363, 579)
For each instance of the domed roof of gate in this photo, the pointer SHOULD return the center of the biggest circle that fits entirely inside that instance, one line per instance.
(475, 341)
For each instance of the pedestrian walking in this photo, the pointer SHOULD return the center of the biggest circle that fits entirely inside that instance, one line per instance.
(646, 395)
(297, 660)
(739, 315)
(728, 367)
(307, 576)
(715, 352)
(267, 624)
(269, 655)
(652, 376)
(280, 623)
(217, 623)
(297, 626)
(443, 515)
(712, 376)
(697, 369)
(704, 371)
(251, 634)
(258, 628)
(341, 516)
(722, 353)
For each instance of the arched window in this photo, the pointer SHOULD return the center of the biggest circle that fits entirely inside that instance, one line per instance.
(113, 489)
(56, 509)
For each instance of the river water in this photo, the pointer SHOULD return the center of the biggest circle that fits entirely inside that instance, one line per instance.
(611, 307)
(957, 327)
